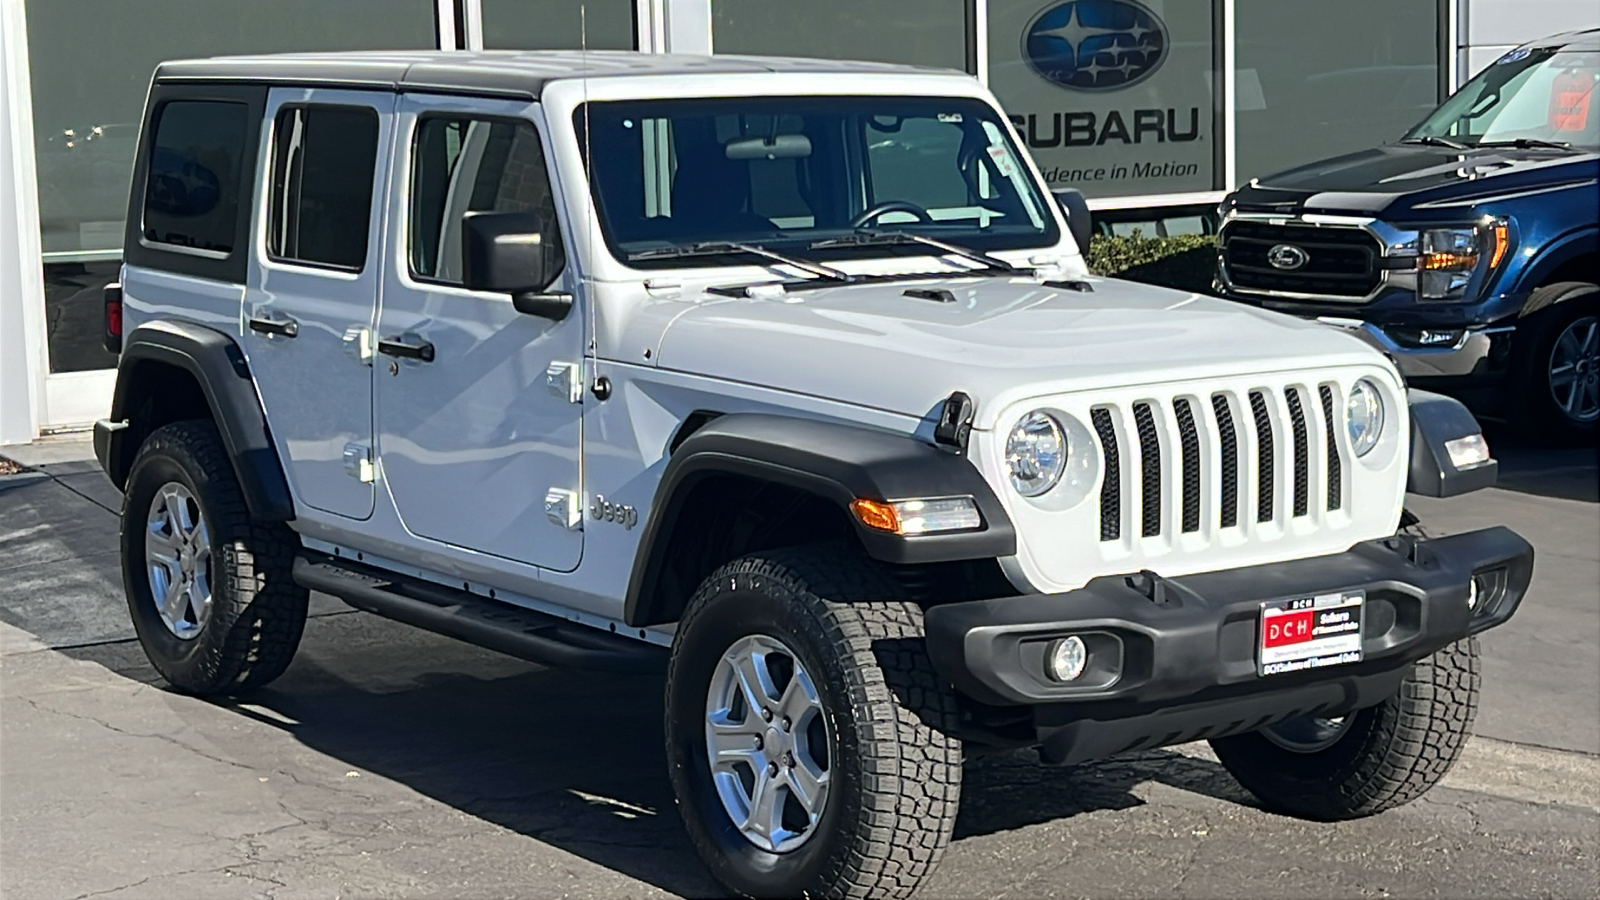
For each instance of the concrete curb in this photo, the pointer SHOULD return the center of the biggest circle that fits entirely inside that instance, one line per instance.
(25, 477)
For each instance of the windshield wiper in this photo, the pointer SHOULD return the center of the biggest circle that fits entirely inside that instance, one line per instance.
(722, 248)
(1431, 141)
(1525, 143)
(881, 238)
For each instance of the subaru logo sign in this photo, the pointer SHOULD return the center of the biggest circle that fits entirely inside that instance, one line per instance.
(1095, 45)
(1287, 257)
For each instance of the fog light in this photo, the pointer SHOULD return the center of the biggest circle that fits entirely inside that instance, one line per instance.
(1466, 452)
(1066, 659)
(1472, 593)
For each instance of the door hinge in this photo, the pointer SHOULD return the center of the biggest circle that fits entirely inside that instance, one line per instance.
(358, 462)
(358, 343)
(561, 506)
(565, 379)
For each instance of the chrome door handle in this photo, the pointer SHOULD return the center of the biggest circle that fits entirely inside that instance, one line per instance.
(395, 346)
(281, 327)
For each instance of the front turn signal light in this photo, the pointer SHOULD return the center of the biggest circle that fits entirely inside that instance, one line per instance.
(914, 517)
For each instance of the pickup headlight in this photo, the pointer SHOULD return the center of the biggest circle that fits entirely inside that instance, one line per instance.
(1449, 256)
(1036, 453)
(1363, 416)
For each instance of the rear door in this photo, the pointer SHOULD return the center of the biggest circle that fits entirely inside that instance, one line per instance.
(311, 297)
(481, 422)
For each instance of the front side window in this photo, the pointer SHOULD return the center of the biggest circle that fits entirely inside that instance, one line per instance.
(464, 165)
(324, 159)
(192, 193)
(791, 172)
(1545, 94)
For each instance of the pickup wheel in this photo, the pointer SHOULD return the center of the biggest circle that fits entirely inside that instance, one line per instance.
(209, 589)
(1556, 364)
(1371, 760)
(809, 740)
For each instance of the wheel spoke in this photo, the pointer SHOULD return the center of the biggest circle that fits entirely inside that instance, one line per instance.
(809, 786)
(176, 602)
(731, 743)
(766, 807)
(755, 680)
(799, 698)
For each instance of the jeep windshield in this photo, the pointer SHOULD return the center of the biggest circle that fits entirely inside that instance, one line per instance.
(1529, 98)
(793, 174)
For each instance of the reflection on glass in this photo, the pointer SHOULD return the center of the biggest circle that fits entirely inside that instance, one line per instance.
(1544, 95)
(74, 311)
(927, 33)
(1318, 79)
(558, 24)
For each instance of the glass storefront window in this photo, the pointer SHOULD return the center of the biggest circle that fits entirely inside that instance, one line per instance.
(1314, 80)
(91, 62)
(935, 34)
(558, 24)
(1113, 97)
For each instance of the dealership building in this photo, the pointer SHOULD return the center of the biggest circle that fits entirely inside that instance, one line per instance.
(1212, 93)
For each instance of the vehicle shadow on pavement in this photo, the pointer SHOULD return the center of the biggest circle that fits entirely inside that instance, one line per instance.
(1564, 473)
(570, 759)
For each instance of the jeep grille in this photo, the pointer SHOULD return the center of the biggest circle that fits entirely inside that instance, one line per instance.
(1200, 465)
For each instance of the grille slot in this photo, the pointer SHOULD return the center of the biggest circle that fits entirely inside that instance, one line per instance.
(1335, 473)
(1150, 464)
(1189, 440)
(1302, 452)
(1229, 441)
(1266, 461)
(1111, 485)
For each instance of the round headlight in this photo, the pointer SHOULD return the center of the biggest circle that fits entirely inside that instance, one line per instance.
(1036, 454)
(1363, 416)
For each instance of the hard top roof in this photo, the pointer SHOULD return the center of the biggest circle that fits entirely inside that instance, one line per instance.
(520, 72)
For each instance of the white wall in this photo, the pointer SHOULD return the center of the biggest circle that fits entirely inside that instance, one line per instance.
(21, 291)
(1488, 28)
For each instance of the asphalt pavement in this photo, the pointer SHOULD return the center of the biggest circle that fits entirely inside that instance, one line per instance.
(389, 762)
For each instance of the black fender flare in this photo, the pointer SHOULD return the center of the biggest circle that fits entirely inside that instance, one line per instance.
(834, 461)
(1435, 421)
(217, 364)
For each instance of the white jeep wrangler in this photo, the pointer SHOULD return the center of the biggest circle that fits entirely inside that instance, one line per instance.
(789, 376)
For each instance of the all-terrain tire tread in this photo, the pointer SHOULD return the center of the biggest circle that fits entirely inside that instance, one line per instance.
(266, 610)
(911, 762)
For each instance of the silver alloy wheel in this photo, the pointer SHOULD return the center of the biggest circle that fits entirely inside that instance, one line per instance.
(1307, 734)
(1575, 370)
(177, 553)
(768, 744)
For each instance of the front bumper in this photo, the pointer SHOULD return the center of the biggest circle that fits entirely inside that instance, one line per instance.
(1174, 659)
(1460, 354)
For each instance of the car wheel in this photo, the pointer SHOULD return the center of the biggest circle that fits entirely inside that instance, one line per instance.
(1557, 354)
(209, 589)
(809, 741)
(1370, 760)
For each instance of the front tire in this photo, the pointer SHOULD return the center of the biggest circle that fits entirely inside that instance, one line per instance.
(1373, 760)
(884, 720)
(209, 589)
(1556, 364)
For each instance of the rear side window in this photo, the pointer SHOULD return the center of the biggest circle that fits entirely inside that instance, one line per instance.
(323, 162)
(192, 195)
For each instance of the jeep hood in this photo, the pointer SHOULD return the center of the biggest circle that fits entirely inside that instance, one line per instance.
(1390, 181)
(1001, 340)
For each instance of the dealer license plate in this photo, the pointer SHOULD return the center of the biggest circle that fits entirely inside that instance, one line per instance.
(1310, 632)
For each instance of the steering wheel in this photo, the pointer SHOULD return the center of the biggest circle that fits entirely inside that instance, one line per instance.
(889, 206)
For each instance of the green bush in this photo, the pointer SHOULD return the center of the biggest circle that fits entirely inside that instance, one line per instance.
(1186, 262)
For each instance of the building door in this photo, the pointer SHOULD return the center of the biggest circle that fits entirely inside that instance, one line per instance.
(310, 298)
(471, 436)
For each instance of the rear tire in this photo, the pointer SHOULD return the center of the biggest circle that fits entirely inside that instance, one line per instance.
(241, 622)
(893, 769)
(1383, 757)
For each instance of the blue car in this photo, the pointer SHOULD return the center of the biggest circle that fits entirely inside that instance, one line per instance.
(1469, 250)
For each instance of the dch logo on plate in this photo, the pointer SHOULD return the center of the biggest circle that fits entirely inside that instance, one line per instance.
(1095, 45)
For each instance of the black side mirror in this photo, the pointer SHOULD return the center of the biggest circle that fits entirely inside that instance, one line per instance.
(1079, 221)
(517, 254)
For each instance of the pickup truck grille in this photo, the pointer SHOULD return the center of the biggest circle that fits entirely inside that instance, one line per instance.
(1342, 261)
(1189, 468)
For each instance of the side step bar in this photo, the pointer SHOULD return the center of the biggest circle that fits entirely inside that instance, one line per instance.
(512, 630)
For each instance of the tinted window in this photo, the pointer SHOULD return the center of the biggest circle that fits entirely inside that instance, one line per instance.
(192, 197)
(464, 165)
(322, 170)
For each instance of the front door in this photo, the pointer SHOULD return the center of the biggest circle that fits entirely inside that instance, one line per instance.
(313, 293)
(473, 433)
